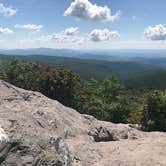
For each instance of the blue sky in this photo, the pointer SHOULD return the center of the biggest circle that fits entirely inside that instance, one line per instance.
(105, 24)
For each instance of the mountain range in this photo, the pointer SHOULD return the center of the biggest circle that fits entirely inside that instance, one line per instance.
(110, 55)
(137, 68)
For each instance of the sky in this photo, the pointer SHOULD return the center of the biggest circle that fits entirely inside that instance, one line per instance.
(83, 24)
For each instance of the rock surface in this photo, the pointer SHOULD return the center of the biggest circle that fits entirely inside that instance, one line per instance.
(38, 131)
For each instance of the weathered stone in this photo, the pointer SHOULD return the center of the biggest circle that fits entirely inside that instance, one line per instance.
(38, 131)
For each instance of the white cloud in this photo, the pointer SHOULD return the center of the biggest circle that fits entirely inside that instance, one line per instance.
(29, 27)
(102, 35)
(78, 40)
(157, 32)
(7, 11)
(84, 9)
(59, 36)
(62, 38)
(35, 42)
(5, 31)
(69, 35)
(71, 31)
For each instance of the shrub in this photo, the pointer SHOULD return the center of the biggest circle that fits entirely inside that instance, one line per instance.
(155, 112)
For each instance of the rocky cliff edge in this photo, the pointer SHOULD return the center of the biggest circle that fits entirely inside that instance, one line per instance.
(38, 131)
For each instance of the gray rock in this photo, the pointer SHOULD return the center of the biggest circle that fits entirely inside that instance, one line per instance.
(38, 131)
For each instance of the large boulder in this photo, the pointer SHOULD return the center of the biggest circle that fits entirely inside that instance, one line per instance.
(36, 130)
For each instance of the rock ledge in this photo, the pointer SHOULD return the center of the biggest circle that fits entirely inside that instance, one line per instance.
(35, 130)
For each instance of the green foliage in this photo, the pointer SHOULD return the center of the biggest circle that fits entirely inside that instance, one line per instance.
(88, 69)
(107, 99)
(22, 74)
(155, 112)
(57, 84)
(151, 80)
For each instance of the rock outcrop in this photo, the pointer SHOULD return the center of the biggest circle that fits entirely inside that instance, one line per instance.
(38, 131)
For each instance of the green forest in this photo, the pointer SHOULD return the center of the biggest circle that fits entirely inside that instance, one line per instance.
(97, 69)
(107, 99)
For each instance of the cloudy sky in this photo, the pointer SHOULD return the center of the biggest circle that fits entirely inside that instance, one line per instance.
(83, 24)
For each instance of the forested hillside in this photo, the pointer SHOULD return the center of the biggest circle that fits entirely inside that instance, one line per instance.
(106, 99)
(88, 69)
(152, 80)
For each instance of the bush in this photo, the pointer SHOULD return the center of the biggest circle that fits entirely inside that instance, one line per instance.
(155, 112)
(22, 74)
(57, 84)
(106, 100)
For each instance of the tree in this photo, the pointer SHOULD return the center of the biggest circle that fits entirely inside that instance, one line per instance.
(22, 74)
(155, 112)
(105, 100)
(59, 84)
(110, 89)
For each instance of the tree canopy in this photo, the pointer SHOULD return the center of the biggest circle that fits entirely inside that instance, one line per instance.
(107, 99)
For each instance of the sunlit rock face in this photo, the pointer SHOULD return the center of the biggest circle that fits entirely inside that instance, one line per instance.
(4, 146)
(36, 130)
(3, 138)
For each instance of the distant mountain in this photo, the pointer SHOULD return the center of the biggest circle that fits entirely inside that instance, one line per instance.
(97, 69)
(109, 55)
(58, 52)
(41, 51)
(97, 64)
(155, 61)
